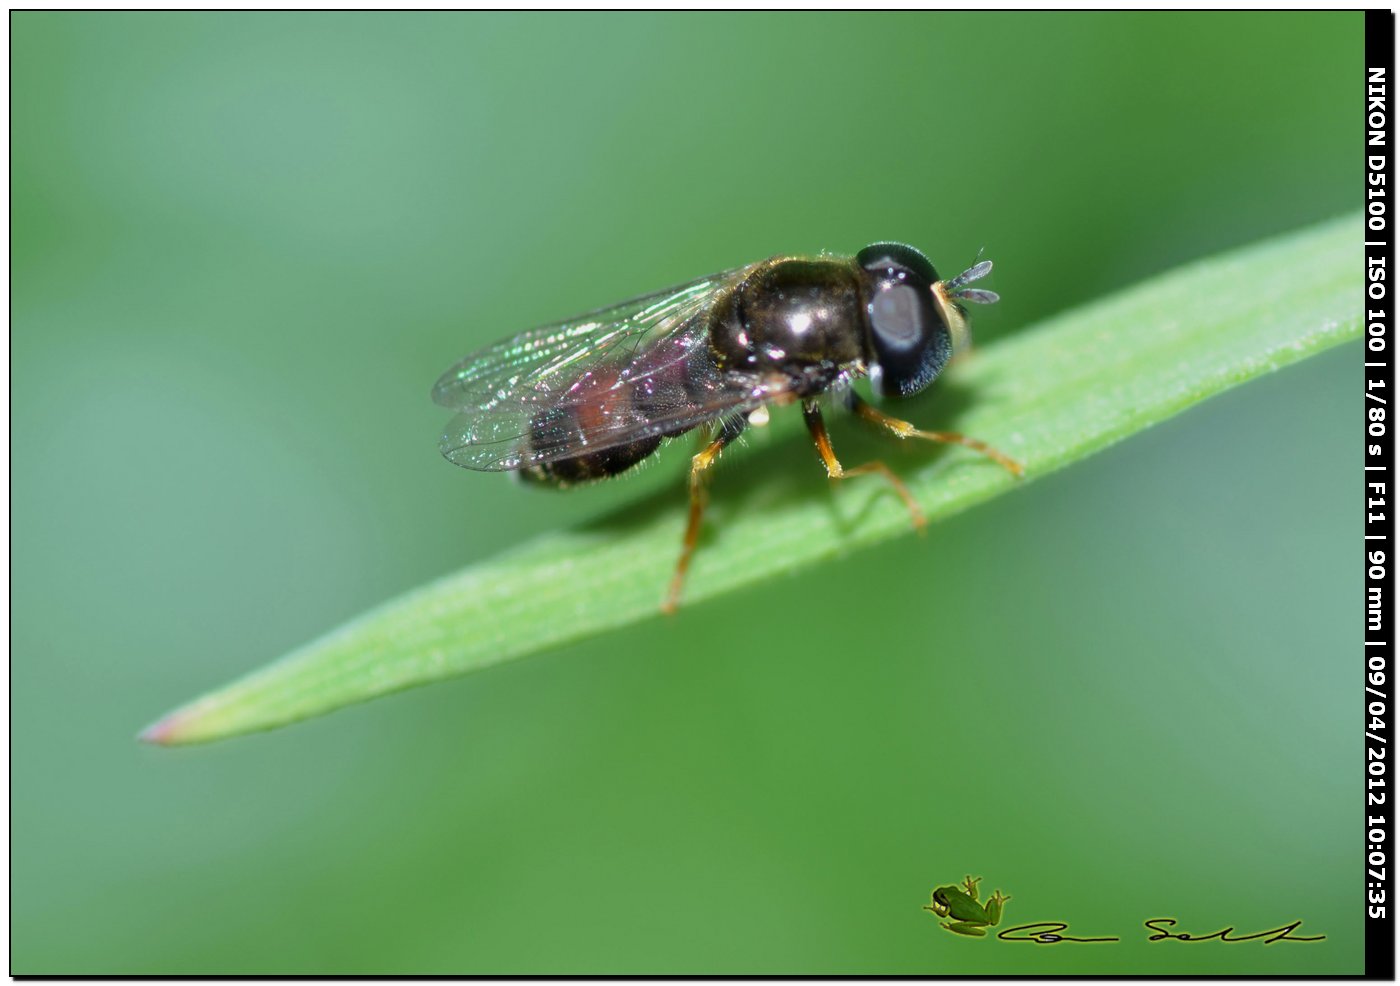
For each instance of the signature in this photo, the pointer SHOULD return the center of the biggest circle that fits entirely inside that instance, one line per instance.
(1052, 933)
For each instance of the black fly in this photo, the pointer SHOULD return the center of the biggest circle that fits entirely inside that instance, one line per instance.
(590, 397)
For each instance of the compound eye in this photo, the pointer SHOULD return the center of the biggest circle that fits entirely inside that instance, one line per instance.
(892, 259)
(911, 341)
(897, 315)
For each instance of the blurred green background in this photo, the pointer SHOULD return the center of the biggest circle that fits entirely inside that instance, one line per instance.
(245, 245)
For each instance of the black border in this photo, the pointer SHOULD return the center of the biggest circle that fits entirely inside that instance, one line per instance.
(1378, 669)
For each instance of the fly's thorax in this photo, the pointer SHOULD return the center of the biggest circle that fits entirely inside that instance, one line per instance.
(790, 316)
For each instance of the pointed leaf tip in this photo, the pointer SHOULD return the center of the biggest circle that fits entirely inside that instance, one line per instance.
(169, 730)
(157, 733)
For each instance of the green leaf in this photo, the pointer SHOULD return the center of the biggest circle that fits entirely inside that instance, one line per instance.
(1048, 396)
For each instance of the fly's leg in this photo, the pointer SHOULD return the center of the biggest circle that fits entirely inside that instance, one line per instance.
(904, 429)
(812, 414)
(699, 496)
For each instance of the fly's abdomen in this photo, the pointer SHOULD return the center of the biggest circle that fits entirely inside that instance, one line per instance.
(605, 402)
(590, 466)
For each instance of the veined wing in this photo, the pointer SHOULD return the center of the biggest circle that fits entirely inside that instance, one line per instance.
(630, 372)
(532, 366)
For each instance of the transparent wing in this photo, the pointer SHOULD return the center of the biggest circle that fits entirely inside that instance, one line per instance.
(531, 366)
(618, 375)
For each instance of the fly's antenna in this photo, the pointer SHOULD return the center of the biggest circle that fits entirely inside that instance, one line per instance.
(957, 287)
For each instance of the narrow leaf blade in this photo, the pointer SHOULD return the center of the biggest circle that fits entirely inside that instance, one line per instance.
(1053, 394)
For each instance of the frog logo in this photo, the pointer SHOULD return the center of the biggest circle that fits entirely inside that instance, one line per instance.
(960, 904)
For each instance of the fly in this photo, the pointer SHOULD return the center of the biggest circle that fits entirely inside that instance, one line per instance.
(589, 398)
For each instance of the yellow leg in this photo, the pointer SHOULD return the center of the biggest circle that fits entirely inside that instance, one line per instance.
(699, 497)
(904, 429)
(812, 414)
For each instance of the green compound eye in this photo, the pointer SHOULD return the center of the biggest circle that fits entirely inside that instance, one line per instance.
(910, 339)
(891, 257)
